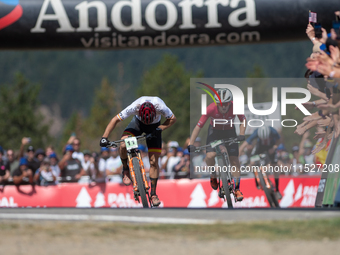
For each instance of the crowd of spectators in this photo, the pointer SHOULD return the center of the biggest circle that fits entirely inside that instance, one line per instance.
(45, 167)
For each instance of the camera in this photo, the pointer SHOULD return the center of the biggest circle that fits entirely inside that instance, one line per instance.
(317, 30)
(336, 27)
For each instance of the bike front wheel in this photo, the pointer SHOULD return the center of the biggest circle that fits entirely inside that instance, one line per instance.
(140, 182)
(225, 185)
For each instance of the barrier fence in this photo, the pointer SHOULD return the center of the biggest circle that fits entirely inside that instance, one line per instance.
(296, 192)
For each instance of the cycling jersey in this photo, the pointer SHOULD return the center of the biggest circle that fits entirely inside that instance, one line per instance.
(268, 143)
(213, 113)
(160, 106)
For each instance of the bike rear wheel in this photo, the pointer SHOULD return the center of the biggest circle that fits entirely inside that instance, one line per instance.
(140, 182)
(275, 201)
(224, 178)
(267, 191)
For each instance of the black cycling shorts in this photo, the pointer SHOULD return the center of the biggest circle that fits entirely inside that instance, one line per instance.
(136, 128)
(214, 134)
(259, 149)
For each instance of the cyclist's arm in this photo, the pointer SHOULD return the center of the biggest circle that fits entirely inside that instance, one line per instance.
(111, 126)
(243, 128)
(243, 146)
(194, 134)
(168, 123)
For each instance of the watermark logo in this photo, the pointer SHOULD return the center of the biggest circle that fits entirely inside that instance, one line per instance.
(238, 99)
(13, 16)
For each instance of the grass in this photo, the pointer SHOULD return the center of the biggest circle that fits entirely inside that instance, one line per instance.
(275, 230)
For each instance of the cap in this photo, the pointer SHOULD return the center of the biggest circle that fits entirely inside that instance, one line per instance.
(180, 149)
(30, 148)
(87, 152)
(173, 144)
(142, 148)
(23, 161)
(39, 151)
(104, 149)
(281, 147)
(295, 148)
(198, 139)
(69, 147)
(53, 155)
(186, 152)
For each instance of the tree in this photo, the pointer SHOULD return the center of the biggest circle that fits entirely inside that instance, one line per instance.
(19, 114)
(171, 82)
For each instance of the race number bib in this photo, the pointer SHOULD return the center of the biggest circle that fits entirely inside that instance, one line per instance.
(131, 143)
(216, 143)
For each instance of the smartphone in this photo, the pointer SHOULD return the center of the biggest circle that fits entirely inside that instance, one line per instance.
(317, 30)
(29, 139)
(336, 27)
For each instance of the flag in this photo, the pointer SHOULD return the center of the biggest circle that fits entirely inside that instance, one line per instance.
(312, 17)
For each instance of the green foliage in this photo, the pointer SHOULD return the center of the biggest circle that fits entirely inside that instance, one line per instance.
(19, 114)
(106, 105)
(171, 82)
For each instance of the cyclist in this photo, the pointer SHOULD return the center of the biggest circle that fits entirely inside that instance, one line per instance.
(221, 131)
(147, 113)
(268, 140)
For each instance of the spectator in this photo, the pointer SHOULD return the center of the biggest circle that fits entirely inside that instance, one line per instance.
(182, 169)
(54, 163)
(297, 160)
(115, 166)
(49, 150)
(71, 169)
(33, 162)
(103, 165)
(12, 160)
(45, 175)
(23, 175)
(171, 159)
(40, 155)
(4, 168)
(89, 165)
(76, 146)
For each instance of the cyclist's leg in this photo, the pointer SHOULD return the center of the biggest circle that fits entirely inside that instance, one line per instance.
(133, 129)
(154, 148)
(211, 154)
(273, 160)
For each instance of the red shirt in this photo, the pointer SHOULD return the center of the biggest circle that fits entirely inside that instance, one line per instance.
(213, 113)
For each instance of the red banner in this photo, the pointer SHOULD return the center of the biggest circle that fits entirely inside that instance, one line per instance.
(296, 192)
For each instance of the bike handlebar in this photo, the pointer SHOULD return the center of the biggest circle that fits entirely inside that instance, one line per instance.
(115, 143)
(229, 141)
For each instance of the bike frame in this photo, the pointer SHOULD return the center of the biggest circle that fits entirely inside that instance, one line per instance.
(131, 154)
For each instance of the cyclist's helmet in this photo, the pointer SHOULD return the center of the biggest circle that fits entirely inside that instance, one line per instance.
(147, 113)
(263, 132)
(225, 95)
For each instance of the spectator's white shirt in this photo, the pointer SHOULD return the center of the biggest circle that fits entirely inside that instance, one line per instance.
(56, 170)
(103, 165)
(48, 176)
(79, 156)
(113, 163)
(171, 163)
(87, 165)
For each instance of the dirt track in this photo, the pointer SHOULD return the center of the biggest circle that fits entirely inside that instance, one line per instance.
(106, 238)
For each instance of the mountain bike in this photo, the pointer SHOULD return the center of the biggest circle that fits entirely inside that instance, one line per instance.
(224, 167)
(136, 167)
(263, 181)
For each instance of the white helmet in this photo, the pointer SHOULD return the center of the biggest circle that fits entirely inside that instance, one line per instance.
(263, 132)
(225, 95)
